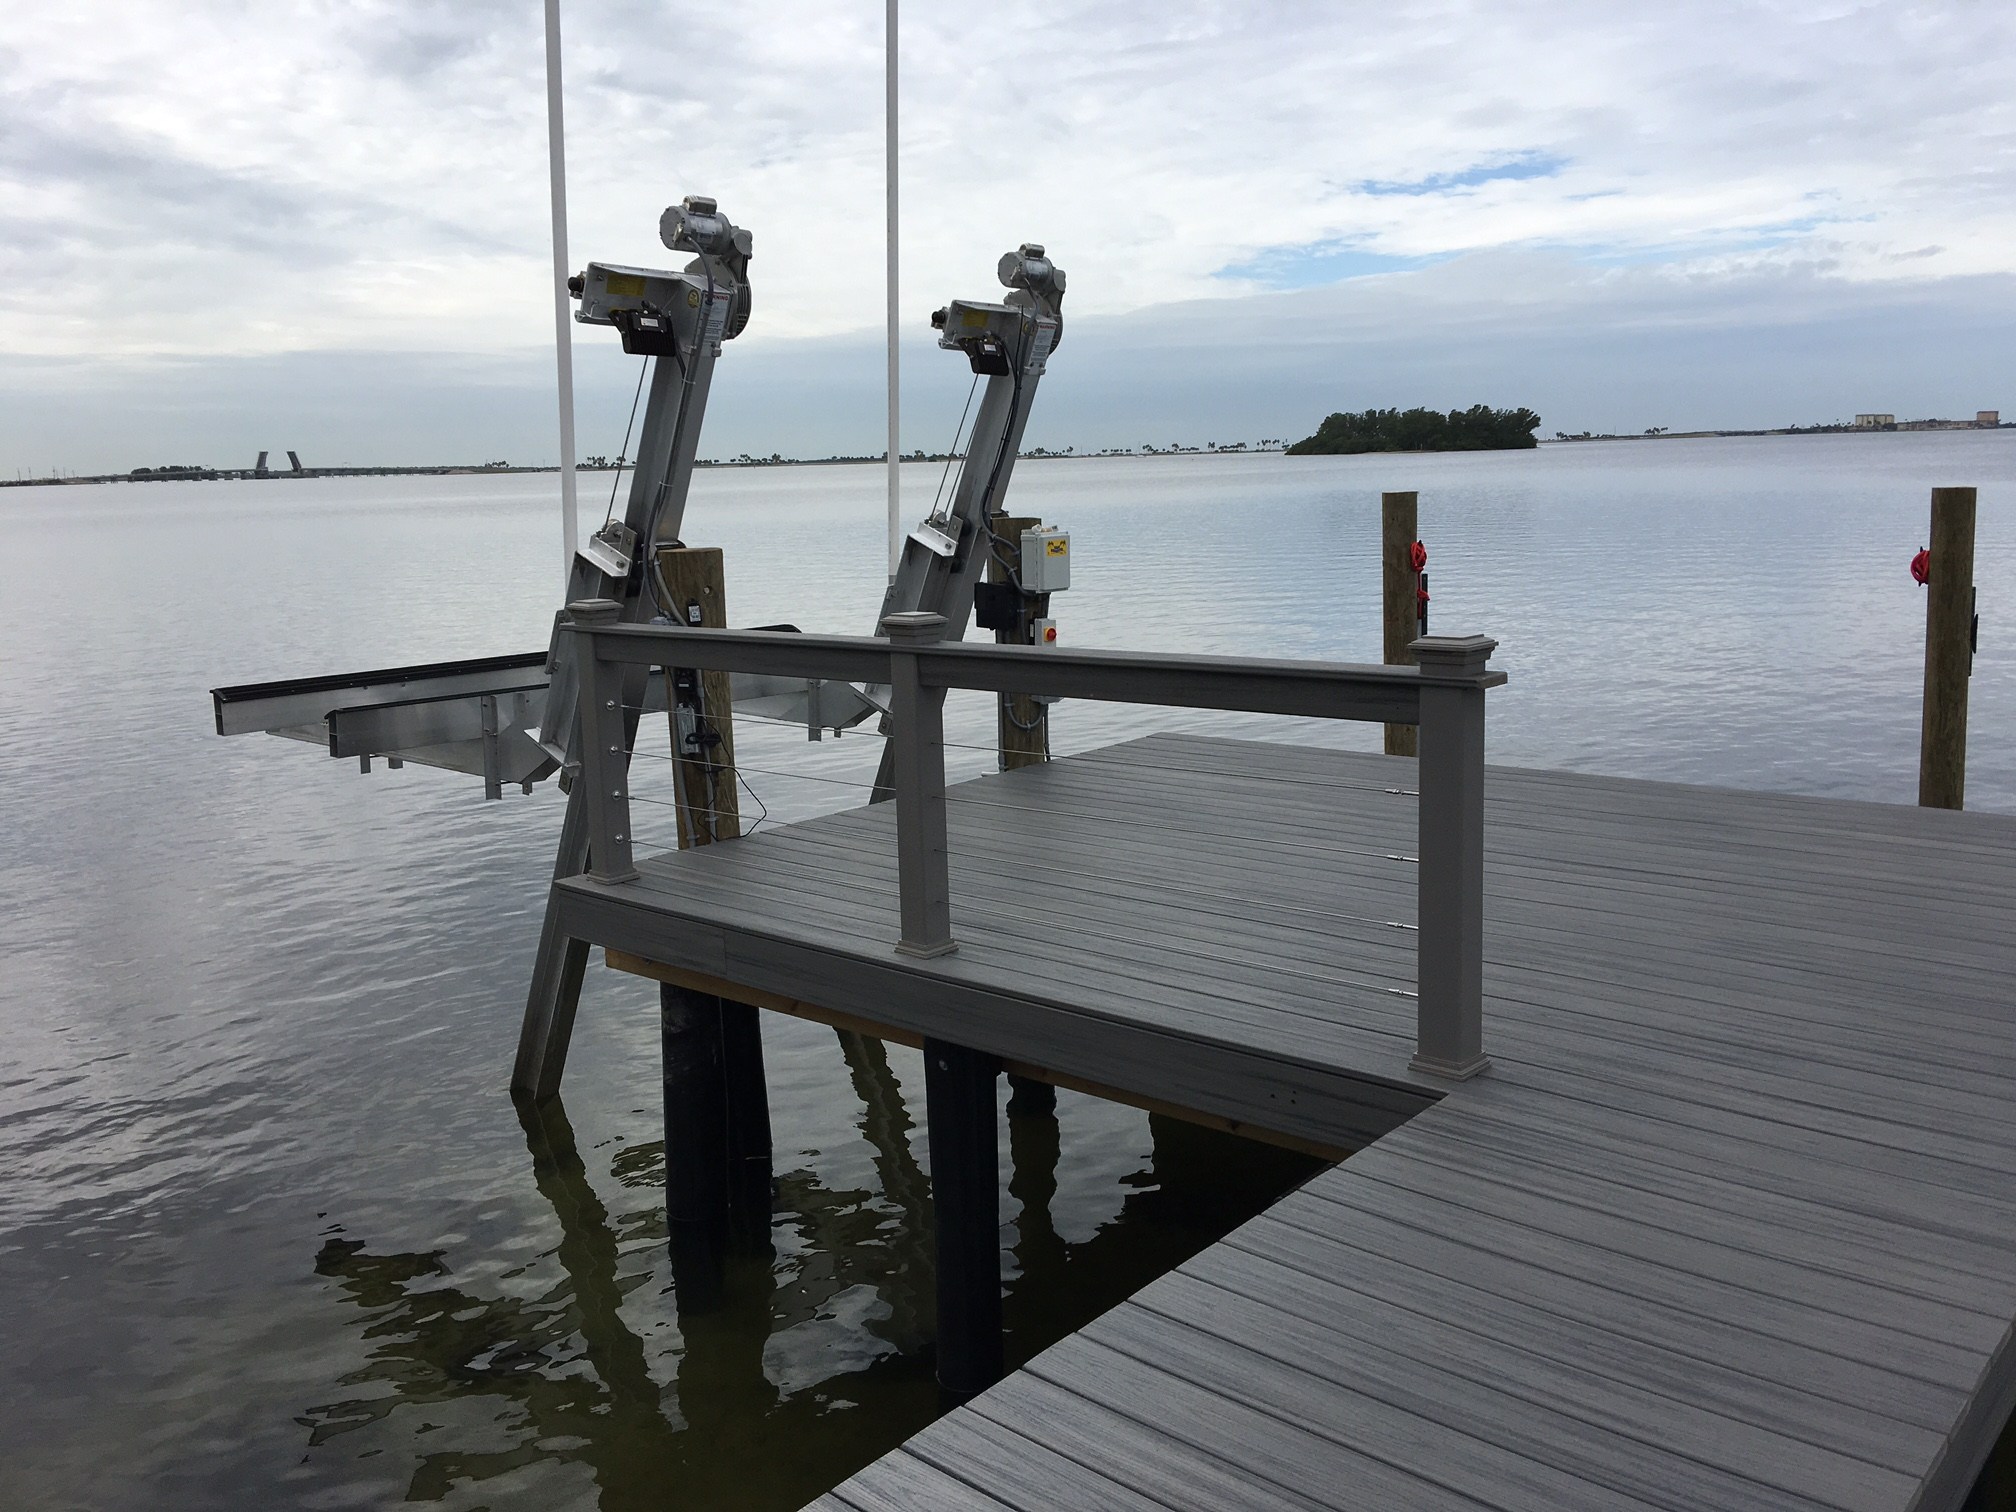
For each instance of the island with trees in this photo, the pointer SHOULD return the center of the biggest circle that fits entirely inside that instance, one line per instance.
(1479, 428)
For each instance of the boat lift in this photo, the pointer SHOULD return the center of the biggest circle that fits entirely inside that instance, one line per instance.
(511, 719)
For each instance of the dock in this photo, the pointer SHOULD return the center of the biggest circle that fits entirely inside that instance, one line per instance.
(1722, 1216)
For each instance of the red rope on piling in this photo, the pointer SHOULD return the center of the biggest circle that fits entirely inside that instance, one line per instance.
(1921, 566)
(1419, 555)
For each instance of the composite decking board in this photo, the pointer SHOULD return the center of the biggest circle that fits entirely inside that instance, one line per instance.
(1720, 894)
(1837, 1212)
(1000, 937)
(955, 884)
(1598, 994)
(905, 1483)
(985, 954)
(1181, 1470)
(983, 898)
(1613, 1080)
(1639, 1226)
(1401, 945)
(1587, 797)
(1597, 894)
(1832, 1084)
(1024, 1472)
(1307, 1027)
(1743, 1020)
(1554, 1447)
(1793, 815)
(1840, 1246)
(1778, 1194)
(1569, 1263)
(1909, 1120)
(1268, 1454)
(1317, 1006)
(1694, 850)
(1847, 1048)
(1523, 1300)
(981, 854)
(1130, 1354)
(1599, 1370)
(1606, 1103)
(1296, 1096)
(1581, 792)
(1679, 1158)
(1744, 1157)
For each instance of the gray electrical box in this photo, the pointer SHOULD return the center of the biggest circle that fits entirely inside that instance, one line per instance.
(1046, 561)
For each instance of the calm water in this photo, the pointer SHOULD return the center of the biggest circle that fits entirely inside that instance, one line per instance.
(272, 1233)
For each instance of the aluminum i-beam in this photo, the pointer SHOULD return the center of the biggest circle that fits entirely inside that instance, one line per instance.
(682, 317)
(944, 557)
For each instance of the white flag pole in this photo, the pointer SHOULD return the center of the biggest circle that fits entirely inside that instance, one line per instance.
(563, 327)
(889, 179)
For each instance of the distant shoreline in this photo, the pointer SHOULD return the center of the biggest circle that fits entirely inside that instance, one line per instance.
(1915, 427)
(457, 470)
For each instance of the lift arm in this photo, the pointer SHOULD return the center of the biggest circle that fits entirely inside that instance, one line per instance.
(1010, 343)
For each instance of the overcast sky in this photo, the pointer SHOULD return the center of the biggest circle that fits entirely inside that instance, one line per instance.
(228, 227)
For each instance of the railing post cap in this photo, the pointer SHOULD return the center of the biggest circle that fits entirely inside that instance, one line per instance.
(915, 627)
(1453, 655)
(595, 611)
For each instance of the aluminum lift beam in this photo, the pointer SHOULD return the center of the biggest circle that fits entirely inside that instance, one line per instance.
(1009, 342)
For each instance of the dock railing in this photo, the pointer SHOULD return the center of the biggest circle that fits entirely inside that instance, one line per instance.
(1443, 694)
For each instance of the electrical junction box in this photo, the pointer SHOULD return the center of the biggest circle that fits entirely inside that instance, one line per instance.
(1046, 561)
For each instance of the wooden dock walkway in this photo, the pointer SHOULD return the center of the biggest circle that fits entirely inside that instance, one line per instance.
(1730, 1223)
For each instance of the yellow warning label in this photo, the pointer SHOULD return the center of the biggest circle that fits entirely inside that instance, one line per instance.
(626, 284)
(1056, 548)
(972, 319)
(693, 299)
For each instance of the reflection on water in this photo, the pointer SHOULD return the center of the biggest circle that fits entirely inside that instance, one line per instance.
(564, 1377)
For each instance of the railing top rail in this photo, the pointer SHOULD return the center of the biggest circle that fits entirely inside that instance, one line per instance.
(1328, 690)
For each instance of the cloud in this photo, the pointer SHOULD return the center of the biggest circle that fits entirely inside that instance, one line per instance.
(216, 182)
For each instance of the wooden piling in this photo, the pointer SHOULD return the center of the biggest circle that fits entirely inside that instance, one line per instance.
(696, 1155)
(747, 1141)
(965, 1203)
(1399, 529)
(1949, 654)
(1024, 732)
(703, 726)
(717, 1111)
(1024, 741)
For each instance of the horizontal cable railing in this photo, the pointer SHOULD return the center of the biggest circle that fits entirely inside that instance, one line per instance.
(1443, 695)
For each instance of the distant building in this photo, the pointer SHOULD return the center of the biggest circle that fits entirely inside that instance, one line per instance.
(1988, 419)
(1872, 422)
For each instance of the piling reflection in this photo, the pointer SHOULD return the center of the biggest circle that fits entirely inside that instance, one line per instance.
(886, 1124)
(576, 1380)
(816, 1359)
(1197, 1186)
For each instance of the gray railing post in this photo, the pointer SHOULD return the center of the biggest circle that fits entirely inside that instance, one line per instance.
(1449, 1037)
(605, 765)
(917, 738)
